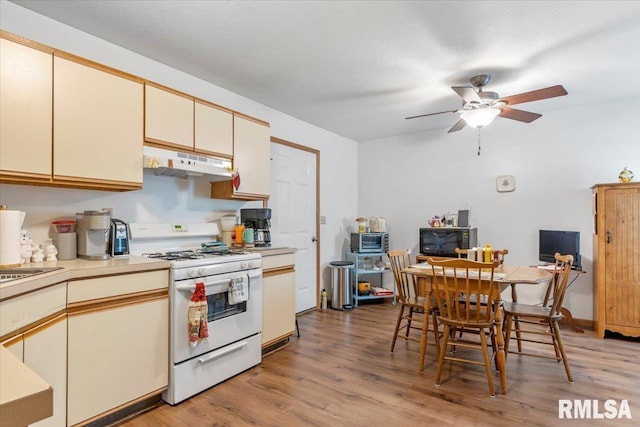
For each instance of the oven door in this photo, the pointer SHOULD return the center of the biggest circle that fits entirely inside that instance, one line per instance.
(227, 323)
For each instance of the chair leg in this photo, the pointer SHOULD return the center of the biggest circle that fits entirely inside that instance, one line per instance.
(436, 333)
(395, 333)
(507, 335)
(487, 364)
(408, 330)
(424, 339)
(518, 334)
(556, 330)
(443, 350)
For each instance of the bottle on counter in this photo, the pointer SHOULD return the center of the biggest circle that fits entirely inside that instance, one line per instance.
(323, 296)
(488, 254)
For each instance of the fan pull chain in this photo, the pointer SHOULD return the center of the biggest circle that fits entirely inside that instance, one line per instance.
(479, 141)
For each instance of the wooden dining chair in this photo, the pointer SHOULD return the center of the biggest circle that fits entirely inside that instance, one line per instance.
(500, 256)
(541, 321)
(416, 312)
(453, 278)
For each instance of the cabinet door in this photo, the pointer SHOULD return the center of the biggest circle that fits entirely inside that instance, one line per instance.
(26, 81)
(98, 132)
(45, 352)
(251, 156)
(278, 307)
(168, 118)
(213, 130)
(116, 355)
(15, 345)
(622, 259)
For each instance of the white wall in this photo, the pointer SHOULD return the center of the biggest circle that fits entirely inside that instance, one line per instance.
(555, 161)
(165, 199)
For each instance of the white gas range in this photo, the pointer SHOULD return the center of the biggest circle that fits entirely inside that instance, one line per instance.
(235, 330)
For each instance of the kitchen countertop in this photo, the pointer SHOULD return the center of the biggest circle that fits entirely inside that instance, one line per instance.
(268, 251)
(24, 397)
(77, 269)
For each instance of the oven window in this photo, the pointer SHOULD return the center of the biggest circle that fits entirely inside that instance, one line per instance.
(219, 307)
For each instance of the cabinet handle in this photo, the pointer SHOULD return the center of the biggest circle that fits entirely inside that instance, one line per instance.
(608, 236)
(220, 353)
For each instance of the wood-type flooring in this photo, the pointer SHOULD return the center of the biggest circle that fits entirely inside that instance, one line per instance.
(340, 373)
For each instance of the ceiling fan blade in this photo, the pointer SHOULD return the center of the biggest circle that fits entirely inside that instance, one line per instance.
(431, 114)
(519, 115)
(458, 126)
(467, 93)
(535, 95)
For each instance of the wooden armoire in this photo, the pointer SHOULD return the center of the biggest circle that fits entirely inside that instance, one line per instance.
(616, 257)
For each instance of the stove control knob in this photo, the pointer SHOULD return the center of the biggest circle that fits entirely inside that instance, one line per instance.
(202, 271)
(243, 265)
(191, 272)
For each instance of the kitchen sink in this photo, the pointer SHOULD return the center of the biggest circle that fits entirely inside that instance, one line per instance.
(9, 274)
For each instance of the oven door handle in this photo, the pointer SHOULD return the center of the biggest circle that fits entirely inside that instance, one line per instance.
(191, 288)
(222, 352)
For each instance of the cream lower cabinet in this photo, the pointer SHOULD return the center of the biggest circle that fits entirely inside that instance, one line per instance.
(45, 352)
(97, 126)
(279, 302)
(43, 347)
(118, 343)
(26, 84)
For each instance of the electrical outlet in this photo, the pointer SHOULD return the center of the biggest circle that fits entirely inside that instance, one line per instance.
(323, 219)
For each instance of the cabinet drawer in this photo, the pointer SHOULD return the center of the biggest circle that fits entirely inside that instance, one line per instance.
(278, 261)
(111, 286)
(21, 311)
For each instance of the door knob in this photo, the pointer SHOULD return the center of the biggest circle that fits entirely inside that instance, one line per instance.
(314, 239)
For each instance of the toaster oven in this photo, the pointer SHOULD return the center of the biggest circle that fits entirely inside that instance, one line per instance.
(369, 242)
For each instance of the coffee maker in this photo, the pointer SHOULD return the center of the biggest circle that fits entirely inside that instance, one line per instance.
(92, 228)
(260, 221)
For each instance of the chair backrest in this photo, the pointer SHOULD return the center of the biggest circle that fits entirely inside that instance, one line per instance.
(405, 283)
(458, 281)
(462, 253)
(562, 271)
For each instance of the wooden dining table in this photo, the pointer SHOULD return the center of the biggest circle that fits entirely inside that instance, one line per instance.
(504, 275)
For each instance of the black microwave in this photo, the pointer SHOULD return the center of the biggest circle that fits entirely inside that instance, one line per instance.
(442, 241)
(369, 242)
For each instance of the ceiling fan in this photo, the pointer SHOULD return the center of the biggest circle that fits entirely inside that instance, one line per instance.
(480, 107)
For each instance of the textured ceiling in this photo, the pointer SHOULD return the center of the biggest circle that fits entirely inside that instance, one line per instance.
(357, 68)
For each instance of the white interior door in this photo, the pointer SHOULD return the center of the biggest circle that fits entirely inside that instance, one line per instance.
(293, 223)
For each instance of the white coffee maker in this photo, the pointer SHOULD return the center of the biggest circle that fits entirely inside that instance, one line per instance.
(92, 229)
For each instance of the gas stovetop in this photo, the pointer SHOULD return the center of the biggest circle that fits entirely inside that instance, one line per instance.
(206, 252)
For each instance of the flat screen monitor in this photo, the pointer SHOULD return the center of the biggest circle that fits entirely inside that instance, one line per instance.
(564, 242)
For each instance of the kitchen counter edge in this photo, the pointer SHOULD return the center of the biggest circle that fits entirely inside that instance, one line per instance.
(268, 251)
(78, 269)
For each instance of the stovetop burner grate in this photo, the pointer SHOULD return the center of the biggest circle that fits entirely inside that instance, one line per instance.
(175, 255)
(221, 250)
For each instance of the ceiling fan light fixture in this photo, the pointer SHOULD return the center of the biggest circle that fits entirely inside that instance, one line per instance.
(479, 117)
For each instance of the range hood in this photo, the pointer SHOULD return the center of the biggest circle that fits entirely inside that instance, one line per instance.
(166, 162)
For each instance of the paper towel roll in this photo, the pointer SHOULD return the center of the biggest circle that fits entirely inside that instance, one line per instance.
(10, 226)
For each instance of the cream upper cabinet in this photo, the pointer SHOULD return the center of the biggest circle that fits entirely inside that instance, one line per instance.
(97, 125)
(26, 81)
(168, 118)
(251, 156)
(213, 130)
(251, 161)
